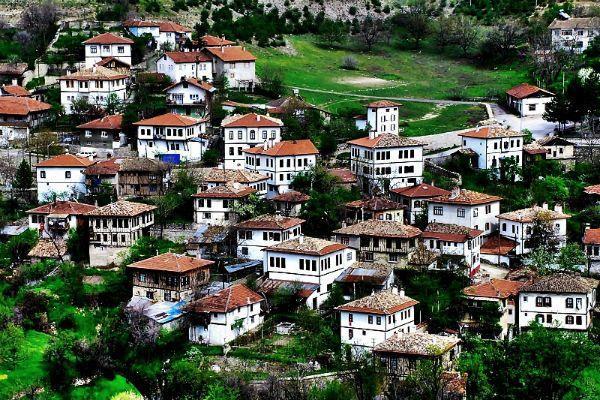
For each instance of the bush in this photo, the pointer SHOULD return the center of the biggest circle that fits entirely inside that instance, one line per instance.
(31, 272)
(350, 63)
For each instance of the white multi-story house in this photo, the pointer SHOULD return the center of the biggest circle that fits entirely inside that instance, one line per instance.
(61, 177)
(457, 245)
(242, 132)
(172, 137)
(190, 96)
(467, 208)
(186, 64)
(550, 148)
(414, 198)
(95, 84)
(366, 322)
(281, 162)
(114, 228)
(308, 260)
(222, 316)
(492, 144)
(211, 177)
(518, 225)
(216, 206)
(385, 161)
(558, 301)
(504, 294)
(236, 64)
(263, 231)
(573, 34)
(107, 45)
(382, 117)
(591, 244)
(164, 33)
(55, 219)
(528, 99)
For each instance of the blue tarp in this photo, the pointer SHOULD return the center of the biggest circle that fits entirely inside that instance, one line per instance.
(242, 266)
(170, 158)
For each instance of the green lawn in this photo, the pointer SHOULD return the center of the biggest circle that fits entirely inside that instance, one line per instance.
(448, 118)
(102, 389)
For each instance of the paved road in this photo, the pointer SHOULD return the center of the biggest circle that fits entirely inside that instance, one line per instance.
(537, 125)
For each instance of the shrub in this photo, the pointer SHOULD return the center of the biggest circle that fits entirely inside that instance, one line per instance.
(350, 63)
(352, 10)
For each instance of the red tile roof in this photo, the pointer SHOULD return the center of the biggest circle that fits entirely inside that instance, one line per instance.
(375, 204)
(231, 53)
(490, 132)
(495, 288)
(591, 236)
(251, 120)
(187, 56)
(385, 140)
(63, 207)
(292, 197)
(109, 122)
(533, 213)
(450, 232)
(423, 190)
(195, 82)
(228, 191)
(12, 105)
(383, 103)
(271, 222)
(97, 72)
(344, 175)
(286, 148)
(593, 189)
(168, 119)
(525, 90)
(497, 245)
(108, 38)
(226, 300)
(15, 90)
(104, 167)
(171, 262)
(211, 41)
(118, 63)
(66, 160)
(464, 196)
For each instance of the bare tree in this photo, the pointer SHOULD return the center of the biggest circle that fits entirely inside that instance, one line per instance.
(40, 19)
(417, 22)
(466, 35)
(370, 32)
(505, 37)
(444, 30)
(143, 330)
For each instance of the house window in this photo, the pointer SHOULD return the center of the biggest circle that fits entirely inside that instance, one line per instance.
(569, 302)
(531, 107)
(93, 49)
(121, 49)
(42, 174)
(350, 333)
(578, 320)
(68, 174)
(569, 320)
(438, 210)
(460, 212)
(378, 320)
(370, 318)
(539, 318)
(393, 257)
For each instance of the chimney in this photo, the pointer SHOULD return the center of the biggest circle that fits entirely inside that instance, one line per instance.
(265, 145)
(372, 134)
(14, 82)
(94, 69)
(455, 192)
(222, 49)
(296, 92)
(394, 289)
(301, 238)
(545, 205)
(586, 226)
(258, 117)
(558, 208)
(402, 293)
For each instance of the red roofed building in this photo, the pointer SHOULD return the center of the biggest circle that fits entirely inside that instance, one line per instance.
(528, 99)
(14, 90)
(591, 244)
(265, 230)
(217, 205)
(215, 41)
(498, 250)
(290, 203)
(107, 45)
(592, 190)
(163, 32)
(190, 96)
(186, 64)
(492, 144)
(379, 208)
(56, 218)
(23, 111)
(235, 63)
(221, 317)
(105, 133)
(169, 276)
(62, 177)
(281, 162)
(415, 197)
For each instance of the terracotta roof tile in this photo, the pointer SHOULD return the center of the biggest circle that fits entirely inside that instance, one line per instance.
(450, 232)
(497, 245)
(554, 141)
(180, 57)
(251, 120)
(591, 236)
(464, 196)
(118, 63)
(97, 72)
(104, 167)
(134, 164)
(534, 148)
(302, 289)
(490, 132)
(15, 90)
(525, 90)
(163, 26)
(375, 204)
(366, 272)
(169, 119)
(220, 175)
(561, 283)
(211, 41)
(307, 245)
(13, 69)
(194, 82)
(108, 38)
(372, 227)
(417, 343)
(12, 105)
(46, 248)
(384, 302)
(495, 288)
(285, 148)
(593, 189)
(66, 160)
(121, 208)
(229, 190)
(231, 53)
(383, 103)
(291, 196)
(226, 300)
(63, 207)
(171, 262)
(423, 190)
(385, 140)
(271, 222)
(574, 23)
(109, 122)
(344, 175)
(532, 213)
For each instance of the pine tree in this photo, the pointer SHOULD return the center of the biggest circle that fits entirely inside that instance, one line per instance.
(23, 178)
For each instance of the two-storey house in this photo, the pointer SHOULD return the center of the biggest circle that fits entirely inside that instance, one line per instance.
(467, 208)
(61, 177)
(458, 246)
(107, 45)
(518, 225)
(528, 99)
(380, 241)
(221, 317)
(211, 177)
(290, 203)
(217, 205)
(263, 231)
(236, 64)
(414, 199)
(172, 137)
(165, 33)
(114, 228)
(308, 260)
(369, 321)
(373, 208)
(558, 301)
(19, 115)
(142, 177)
(281, 162)
(591, 244)
(190, 96)
(557, 149)
(573, 34)
(382, 117)
(499, 292)
(169, 276)
(94, 84)
(186, 64)
(104, 133)
(55, 219)
(492, 144)
(242, 132)
(363, 278)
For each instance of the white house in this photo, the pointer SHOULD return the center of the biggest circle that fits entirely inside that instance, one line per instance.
(185, 64)
(242, 132)
(236, 64)
(493, 144)
(308, 260)
(379, 208)
(367, 322)
(458, 245)
(55, 219)
(591, 244)
(503, 293)
(18, 115)
(263, 231)
(216, 206)
(558, 301)
(164, 33)
(382, 117)
(528, 99)
(107, 45)
(281, 162)
(517, 225)
(61, 177)
(573, 34)
(172, 137)
(221, 317)
(95, 84)
(211, 177)
(415, 197)
(384, 161)
(466, 208)
(190, 96)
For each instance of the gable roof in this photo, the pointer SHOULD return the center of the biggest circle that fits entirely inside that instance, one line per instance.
(375, 204)
(591, 236)
(66, 160)
(366, 272)
(291, 196)
(592, 189)
(135, 164)
(121, 208)
(531, 214)
(13, 69)
(383, 303)
(497, 245)
(180, 57)
(225, 300)
(231, 53)
(163, 26)
(220, 175)
(47, 248)
(525, 90)
(466, 197)
(383, 104)
(450, 232)
(211, 41)
(574, 23)
(108, 122)
(171, 262)
(561, 283)
(12, 105)
(118, 63)
(422, 190)
(96, 72)
(495, 288)
(307, 245)
(15, 90)
(104, 167)
(553, 141)
(108, 38)
(229, 190)
(63, 207)
(417, 343)
(270, 221)
(169, 119)
(251, 120)
(344, 175)
(194, 82)
(379, 228)
(285, 148)
(490, 132)
(385, 140)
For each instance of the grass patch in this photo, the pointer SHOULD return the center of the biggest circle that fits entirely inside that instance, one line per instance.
(453, 117)
(102, 389)
(276, 348)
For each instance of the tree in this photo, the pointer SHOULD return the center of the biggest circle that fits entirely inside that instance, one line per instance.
(510, 169)
(40, 19)
(370, 32)
(271, 81)
(571, 257)
(78, 244)
(332, 32)
(425, 382)
(59, 362)
(12, 339)
(551, 190)
(501, 41)
(217, 391)
(543, 233)
(24, 177)
(417, 23)
(559, 110)
(466, 35)
(539, 259)
(444, 30)
(113, 105)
